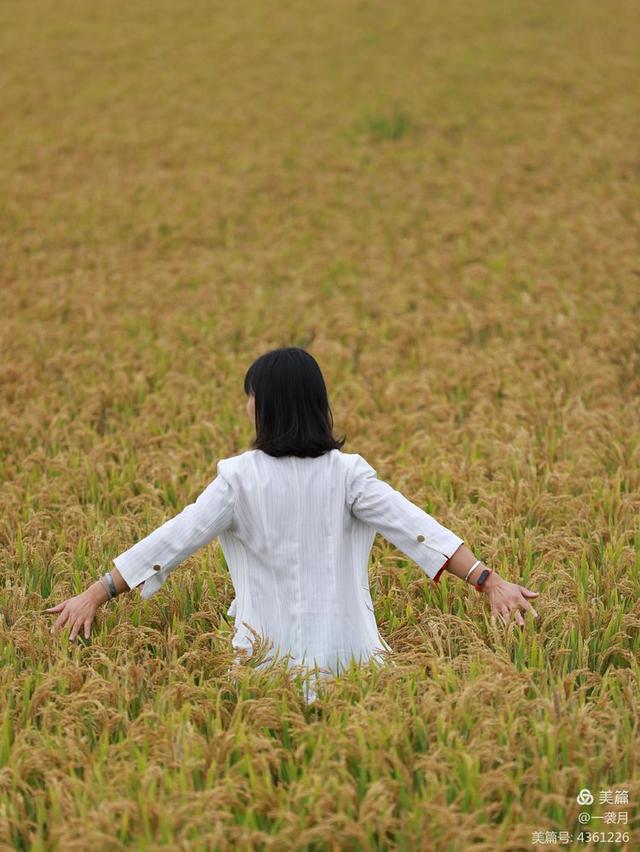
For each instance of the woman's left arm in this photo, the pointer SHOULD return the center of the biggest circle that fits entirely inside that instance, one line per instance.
(152, 559)
(79, 611)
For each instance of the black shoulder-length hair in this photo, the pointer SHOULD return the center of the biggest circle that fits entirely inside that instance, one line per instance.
(292, 412)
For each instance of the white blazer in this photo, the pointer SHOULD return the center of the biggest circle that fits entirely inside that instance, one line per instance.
(296, 534)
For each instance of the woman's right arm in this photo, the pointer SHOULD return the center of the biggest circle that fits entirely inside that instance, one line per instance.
(503, 596)
(420, 536)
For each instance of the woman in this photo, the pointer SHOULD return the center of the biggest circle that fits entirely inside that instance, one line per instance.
(296, 519)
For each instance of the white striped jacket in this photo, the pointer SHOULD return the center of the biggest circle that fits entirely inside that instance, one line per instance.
(296, 534)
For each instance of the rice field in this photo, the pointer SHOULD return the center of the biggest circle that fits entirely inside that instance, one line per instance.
(440, 201)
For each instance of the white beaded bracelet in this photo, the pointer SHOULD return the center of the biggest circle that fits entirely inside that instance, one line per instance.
(473, 567)
(109, 585)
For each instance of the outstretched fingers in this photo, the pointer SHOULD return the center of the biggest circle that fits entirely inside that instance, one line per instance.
(502, 613)
(526, 606)
(63, 611)
(62, 618)
(513, 598)
(528, 592)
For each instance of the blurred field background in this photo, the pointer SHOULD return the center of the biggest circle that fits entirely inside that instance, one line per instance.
(440, 202)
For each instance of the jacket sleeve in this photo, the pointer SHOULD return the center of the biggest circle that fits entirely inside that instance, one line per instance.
(407, 526)
(152, 559)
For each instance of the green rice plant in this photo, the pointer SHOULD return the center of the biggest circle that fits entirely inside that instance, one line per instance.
(383, 126)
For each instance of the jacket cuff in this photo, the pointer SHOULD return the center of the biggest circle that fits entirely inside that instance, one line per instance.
(436, 579)
(134, 575)
(453, 542)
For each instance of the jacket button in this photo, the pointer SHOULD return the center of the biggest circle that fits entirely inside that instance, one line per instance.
(421, 537)
(157, 567)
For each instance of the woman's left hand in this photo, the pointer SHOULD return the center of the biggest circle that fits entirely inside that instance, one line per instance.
(76, 611)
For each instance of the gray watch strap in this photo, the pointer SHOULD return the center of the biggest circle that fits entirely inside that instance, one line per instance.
(111, 583)
(484, 575)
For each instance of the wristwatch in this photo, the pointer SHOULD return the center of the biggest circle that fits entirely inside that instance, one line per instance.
(484, 574)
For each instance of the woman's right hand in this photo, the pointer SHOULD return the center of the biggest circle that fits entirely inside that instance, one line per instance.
(506, 597)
